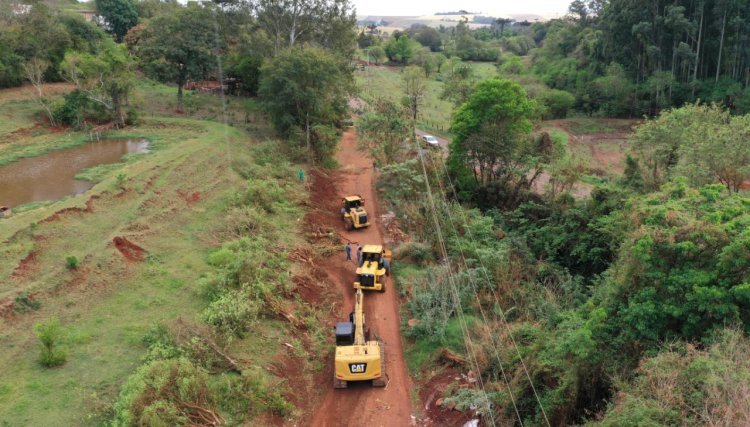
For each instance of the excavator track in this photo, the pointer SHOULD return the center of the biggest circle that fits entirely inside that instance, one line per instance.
(383, 380)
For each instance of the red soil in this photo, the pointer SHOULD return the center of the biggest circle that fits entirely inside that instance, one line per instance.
(26, 265)
(190, 198)
(128, 249)
(360, 404)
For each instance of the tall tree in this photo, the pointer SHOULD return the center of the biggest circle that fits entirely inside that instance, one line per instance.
(34, 71)
(491, 134)
(383, 131)
(179, 47)
(119, 16)
(329, 23)
(414, 85)
(305, 90)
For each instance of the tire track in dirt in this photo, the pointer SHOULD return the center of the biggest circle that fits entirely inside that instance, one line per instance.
(360, 403)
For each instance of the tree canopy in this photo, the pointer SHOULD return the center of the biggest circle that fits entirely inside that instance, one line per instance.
(306, 91)
(178, 46)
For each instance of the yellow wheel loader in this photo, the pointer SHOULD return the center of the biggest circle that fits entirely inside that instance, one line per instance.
(357, 359)
(376, 263)
(353, 213)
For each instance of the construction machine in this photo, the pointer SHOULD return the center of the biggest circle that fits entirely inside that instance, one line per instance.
(376, 263)
(357, 358)
(353, 212)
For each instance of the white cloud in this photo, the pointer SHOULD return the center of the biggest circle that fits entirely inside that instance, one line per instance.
(548, 8)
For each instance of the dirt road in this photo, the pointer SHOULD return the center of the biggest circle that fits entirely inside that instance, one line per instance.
(362, 404)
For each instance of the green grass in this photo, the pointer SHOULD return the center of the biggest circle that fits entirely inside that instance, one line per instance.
(423, 351)
(559, 137)
(107, 304)
(436, 114)
(15, 115)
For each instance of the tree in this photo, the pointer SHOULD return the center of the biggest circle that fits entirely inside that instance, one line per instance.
(656, 143)
(426, 36)
(502, 22)
(329, 23)
(400, 48)
(491, 131)
(414, 85)
(34, 71)
(106, 78)
(717, 149)
(119, 16)
(303, 88)
(178, 47)
(459, 82)
(377, 54)
(383, 131)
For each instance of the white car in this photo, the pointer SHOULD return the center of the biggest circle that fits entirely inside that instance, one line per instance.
(431, 140)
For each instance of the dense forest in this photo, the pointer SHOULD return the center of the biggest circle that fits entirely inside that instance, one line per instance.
(618, 58)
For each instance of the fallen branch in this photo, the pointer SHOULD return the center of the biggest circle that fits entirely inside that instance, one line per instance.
(451, 357)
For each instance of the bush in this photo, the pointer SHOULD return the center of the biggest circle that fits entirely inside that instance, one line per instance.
(25, 302)
(77, 109)
(558, 103)
(167, 393)
(417, 252)
(251, 394)
(71, 262)
(132, 117)
(246, 69)
(50, 333)
(231, 314)
(685, 385)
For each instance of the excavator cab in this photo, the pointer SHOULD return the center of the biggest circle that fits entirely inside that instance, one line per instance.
(354, 213)
(375, 265)
(357, 358)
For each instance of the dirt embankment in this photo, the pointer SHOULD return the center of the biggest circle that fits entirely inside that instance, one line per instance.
(360, 404)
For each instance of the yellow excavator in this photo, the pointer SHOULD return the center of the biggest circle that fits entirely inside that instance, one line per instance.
(376, 263)
(353, 212)
(357, 359)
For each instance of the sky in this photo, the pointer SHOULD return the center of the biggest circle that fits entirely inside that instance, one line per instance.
(547, 8)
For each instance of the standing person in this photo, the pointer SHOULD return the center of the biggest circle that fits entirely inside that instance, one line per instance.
(348, 251)
(359, 255)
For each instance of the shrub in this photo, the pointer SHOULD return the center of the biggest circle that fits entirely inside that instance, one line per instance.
(50, 334)
(418, 252)
(251, 394)
(120, 180)
(71, 262)
(132, 117)
(558, 103)
(167, 392)
(231, 314)
(77, 109)
(25, 302)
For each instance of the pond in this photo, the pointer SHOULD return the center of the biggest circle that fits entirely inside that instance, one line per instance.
(52, 176)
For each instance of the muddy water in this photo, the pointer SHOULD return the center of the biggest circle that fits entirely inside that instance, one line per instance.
(52, 175)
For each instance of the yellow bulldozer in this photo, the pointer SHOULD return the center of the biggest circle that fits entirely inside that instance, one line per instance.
(353, 212)
(357, 358)
(376, 263)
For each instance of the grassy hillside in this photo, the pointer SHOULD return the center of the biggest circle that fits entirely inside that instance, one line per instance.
(142, 241)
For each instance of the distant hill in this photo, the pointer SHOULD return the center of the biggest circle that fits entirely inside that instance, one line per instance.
(404, 22)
